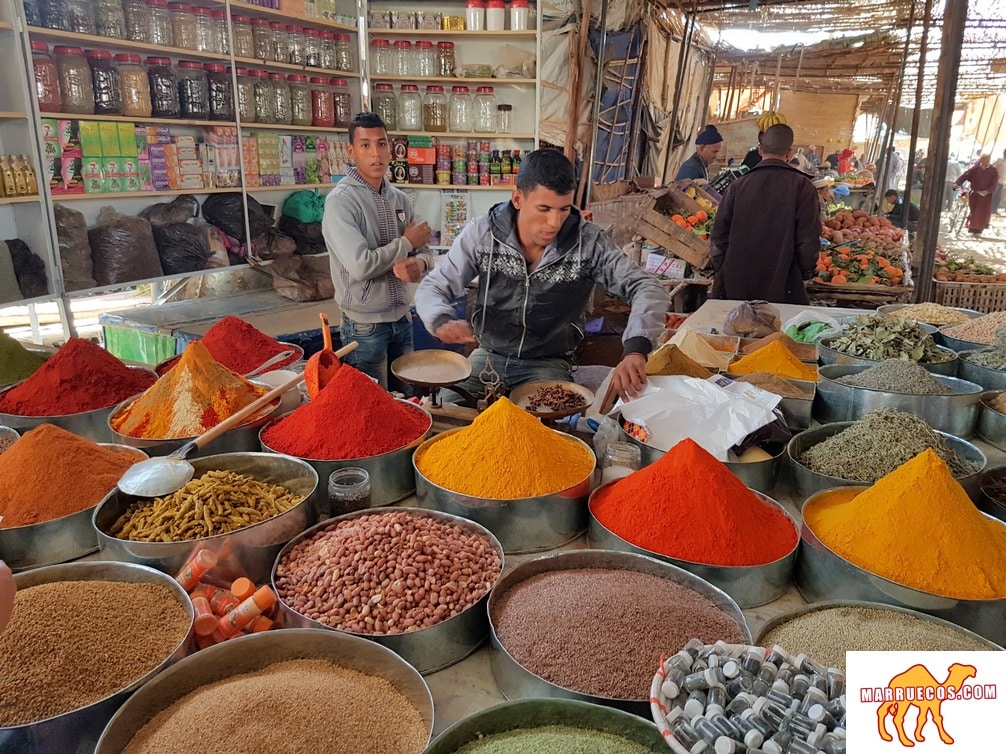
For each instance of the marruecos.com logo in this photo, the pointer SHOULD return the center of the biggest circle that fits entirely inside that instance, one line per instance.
(926, 701)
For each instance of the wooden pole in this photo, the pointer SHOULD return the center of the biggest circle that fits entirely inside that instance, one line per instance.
(682, 61)
(917, 112)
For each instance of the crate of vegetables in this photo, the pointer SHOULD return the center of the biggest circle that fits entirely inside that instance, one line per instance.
(853, 274)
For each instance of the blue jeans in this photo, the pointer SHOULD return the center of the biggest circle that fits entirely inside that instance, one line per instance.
(515, 372)
(380, 344)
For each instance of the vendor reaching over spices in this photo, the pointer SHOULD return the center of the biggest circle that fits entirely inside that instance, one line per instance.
(537, 261)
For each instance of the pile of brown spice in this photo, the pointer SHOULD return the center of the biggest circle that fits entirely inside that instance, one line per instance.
(670, 360)
(771, 383)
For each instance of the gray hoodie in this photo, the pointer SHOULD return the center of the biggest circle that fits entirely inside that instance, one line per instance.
(539, 315)
(365, 286)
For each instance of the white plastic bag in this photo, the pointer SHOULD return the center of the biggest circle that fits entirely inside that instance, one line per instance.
(793, 326)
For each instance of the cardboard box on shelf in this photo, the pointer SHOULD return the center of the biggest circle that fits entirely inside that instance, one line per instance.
(127, 139)
(109, 133)
(112, 168)
(73, 179)
(92, 175)
(131, 180)
(422, 156)
(69, 138)
(90, 139)
(422, 174)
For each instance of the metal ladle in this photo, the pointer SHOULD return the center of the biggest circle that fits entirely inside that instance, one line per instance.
(157, 477)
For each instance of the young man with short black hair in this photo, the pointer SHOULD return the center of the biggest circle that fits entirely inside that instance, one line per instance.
(537, 261)
(376, 248)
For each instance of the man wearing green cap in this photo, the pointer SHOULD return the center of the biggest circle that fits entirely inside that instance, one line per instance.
(707, 146)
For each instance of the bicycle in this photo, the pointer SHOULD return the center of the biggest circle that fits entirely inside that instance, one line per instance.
(960, 211)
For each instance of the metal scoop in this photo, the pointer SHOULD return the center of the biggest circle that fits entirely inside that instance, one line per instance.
(162, 476)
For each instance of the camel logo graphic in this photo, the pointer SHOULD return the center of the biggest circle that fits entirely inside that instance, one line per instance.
(918, 688)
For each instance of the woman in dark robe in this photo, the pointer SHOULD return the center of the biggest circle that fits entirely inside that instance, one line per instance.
(983, 179)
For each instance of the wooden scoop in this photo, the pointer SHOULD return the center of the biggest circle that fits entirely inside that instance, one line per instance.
(321, 367)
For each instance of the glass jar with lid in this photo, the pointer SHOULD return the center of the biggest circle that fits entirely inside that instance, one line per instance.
(322, 112)
(206, 35)
(462, 113)
(410, 108)
(137, 20)
(134, 85)
(380, 57)
(312, 48)
(504, 118)
(435, 109)
(327, 50)
(342, 102)
(221, 39)
(193, 90)
(246, 96)
(386, 106)
(159, 21)
(280, 42)
(343, 60)
(265, 96)
(296, 46)
(163, 88)
(110, 20)
(183, 25)
(402, 59)
(485, 110)
(620, 459)
(34, 13)
(262, 36)
(281, 94)
(74, 80)
(244, 39)
(80, 16)
(46, 79)
(426, 59)
(105, 83)
(221, 92)
(446, 62)
(300, 100)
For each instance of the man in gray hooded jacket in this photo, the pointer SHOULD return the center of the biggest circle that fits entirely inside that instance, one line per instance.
(537, 261)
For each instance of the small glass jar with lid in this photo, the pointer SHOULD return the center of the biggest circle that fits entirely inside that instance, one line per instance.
(343, 59)
(134, 84)
(504, 119)
(280, 42)
(221, 92)
(342, 102)
(410, 108)
(206, 35)
(402, 58)
(328, 50)
(193, 90)
(322, 108)
(74, 80)
(34, 13)
(380, 57)
(46, 79)
(183, 25)
(386, 106)
(80, 16)
(300, 100)
(446, 61)
(296, 46)
(262, 36)
(265, 96)
(620, 459)
(160, 23)
(105, 83)
(137, 20)
(110, 20)
(312, 48)
(163, 88)
(244, 38)
(485, 110)
(435, 109)
(462, 113)
(221, 39)
(246, 96)
(426, 59)
(281, 95)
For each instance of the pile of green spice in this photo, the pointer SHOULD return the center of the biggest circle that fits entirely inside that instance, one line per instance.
(17, 362)
(876, 445)
(553, 739)
(897, 376)
(878, 337)
(993, 357)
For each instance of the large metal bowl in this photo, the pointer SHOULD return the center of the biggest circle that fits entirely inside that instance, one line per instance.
(426, 649)
(537, 713)
(248, 654)
(992, 423)
(750, 586)
(528, 524)
(77, 732)
(56, 540)
(90, 424)
(758, 475)
(993, 506)
(990, 379)
(822, 574)
(892, 308)
(517, 682)
(830, 356)
(810, 482)
(957, 344)
(851, 318)
(796, 411)
(250, 551)
(831, 604)
(392, 477)
(955, 414)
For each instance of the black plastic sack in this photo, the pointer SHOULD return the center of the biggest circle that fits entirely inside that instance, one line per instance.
(181, 209)
(74, 249)
(123, 249)
(182, 248)
(306, 235)
(29, 269)
(226, 211)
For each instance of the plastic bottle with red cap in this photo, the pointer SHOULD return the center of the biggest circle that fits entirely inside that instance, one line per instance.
(475, 15)
(520, 15)
(495, 15)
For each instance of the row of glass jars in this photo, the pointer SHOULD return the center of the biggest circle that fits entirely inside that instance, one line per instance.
(295, 99)
(434, 112)
(290, 43)
(422, 60)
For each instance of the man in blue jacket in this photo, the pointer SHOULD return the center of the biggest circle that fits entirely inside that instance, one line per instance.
(537, 261)
(707, 147)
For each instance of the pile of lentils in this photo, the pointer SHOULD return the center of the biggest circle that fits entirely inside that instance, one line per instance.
(827, 634)
(931, 314)
(979, 330)
(876, 445)
(897, 376)
(387, 573)
(601, 631)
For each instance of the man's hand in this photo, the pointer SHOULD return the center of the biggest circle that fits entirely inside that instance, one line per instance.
(410, 269)
(455, 331)
(629, 377)
(7, 591)
(418, 234)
